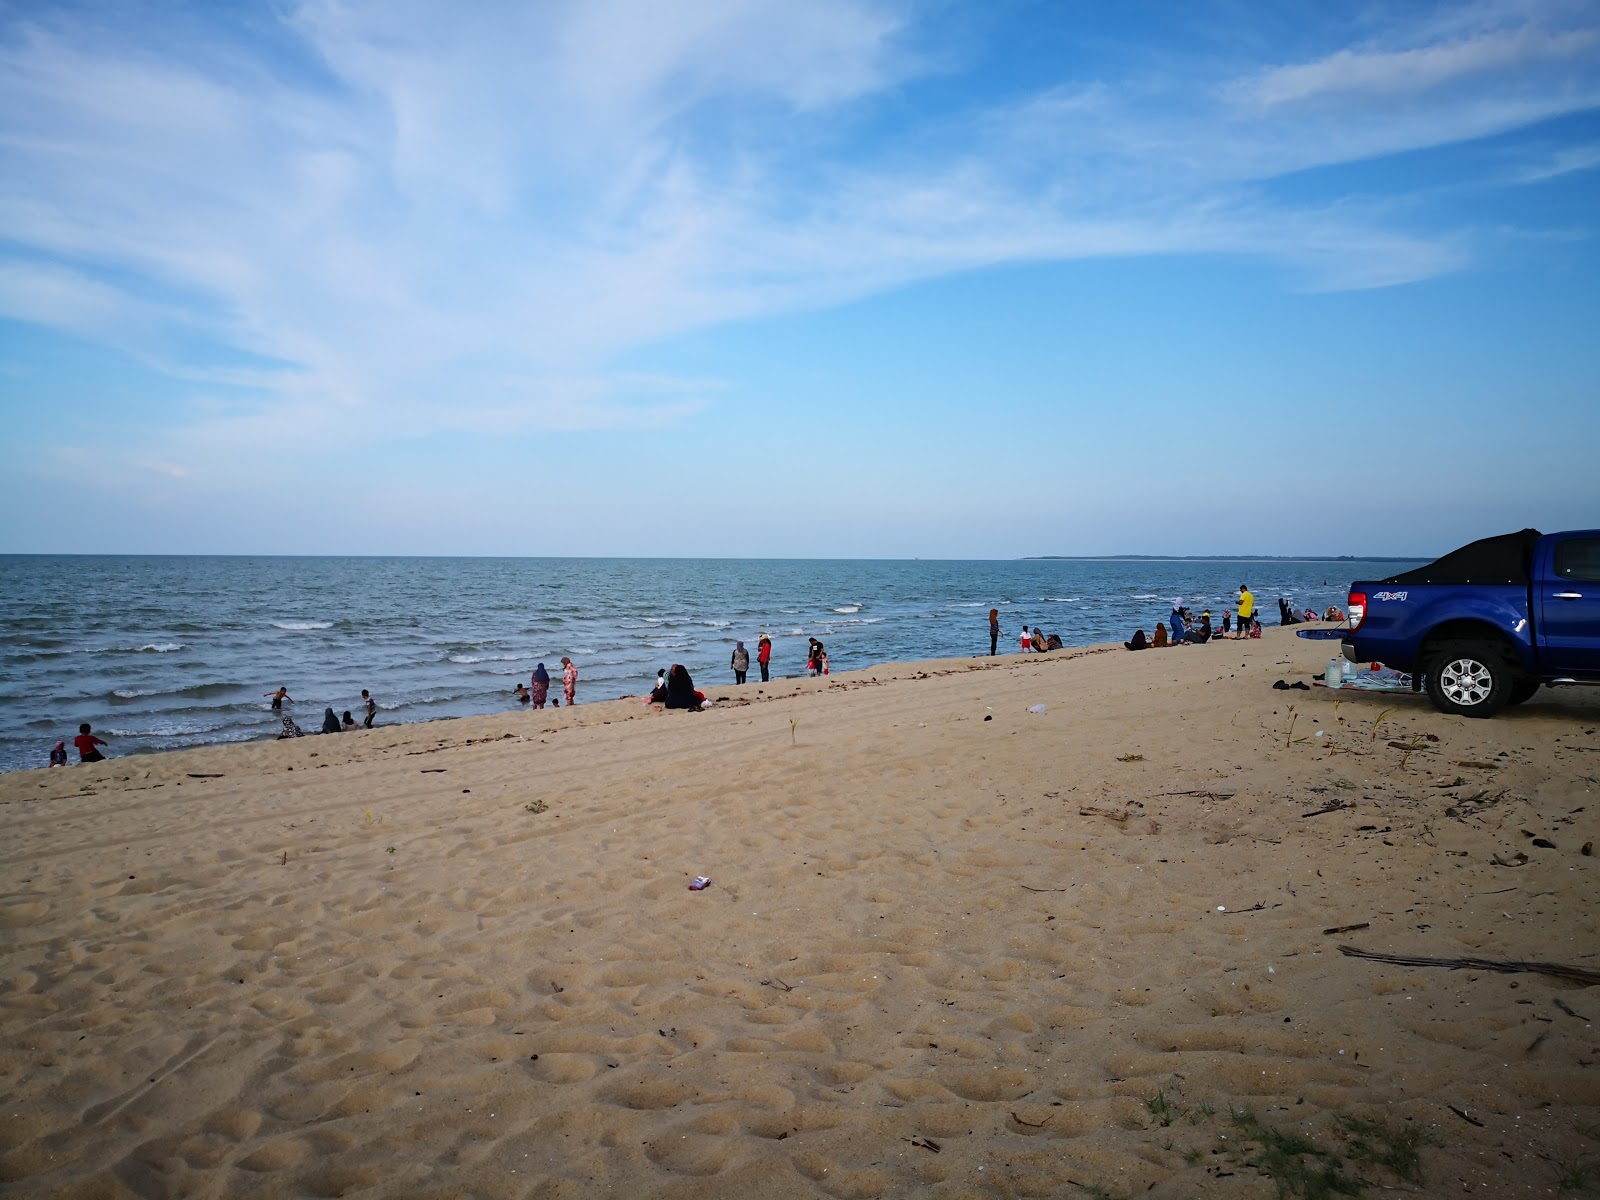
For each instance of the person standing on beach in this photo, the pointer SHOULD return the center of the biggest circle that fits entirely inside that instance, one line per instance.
(814, 658)
(569, 681)
(370, 706)
(540, 686)
(1247, 608)
(740, 662)
(87, 744)
(279, 696)
(764, 655)
(1027, 639)
(994, 632)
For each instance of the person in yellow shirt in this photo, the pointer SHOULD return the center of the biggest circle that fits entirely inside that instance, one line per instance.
(1247, 609)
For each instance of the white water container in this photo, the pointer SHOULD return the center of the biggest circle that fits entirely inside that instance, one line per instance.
(1332, 675)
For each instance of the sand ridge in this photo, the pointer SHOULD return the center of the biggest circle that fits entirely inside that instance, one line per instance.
(941, 954)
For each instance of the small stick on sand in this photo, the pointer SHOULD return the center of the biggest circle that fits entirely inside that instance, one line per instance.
(1331, 806)
(1349, 928)
(1562, 1005)
(1464, 1116)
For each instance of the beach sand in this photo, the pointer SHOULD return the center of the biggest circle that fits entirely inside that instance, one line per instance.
(941, 955)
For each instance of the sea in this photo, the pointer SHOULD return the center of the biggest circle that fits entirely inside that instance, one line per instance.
(159, 653)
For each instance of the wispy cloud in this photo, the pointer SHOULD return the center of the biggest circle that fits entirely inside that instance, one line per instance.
(1376, 76)
(463, 220)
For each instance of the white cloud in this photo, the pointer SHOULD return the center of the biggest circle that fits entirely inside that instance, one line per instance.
(1377, 74)
(412, 219)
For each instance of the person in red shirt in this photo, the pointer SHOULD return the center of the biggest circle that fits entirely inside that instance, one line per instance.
(764, 655)
(86, 743)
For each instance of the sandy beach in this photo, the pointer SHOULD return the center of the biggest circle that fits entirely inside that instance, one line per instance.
(951, 947)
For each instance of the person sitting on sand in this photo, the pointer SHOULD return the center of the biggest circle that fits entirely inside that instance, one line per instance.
(1037, 641)
(330, 723)
(1160, 639)
(680, 690)
(290, 729)
(58, 755)
(1138, 642)
(1285, 613)
(539, 689)
(523, 694)
(1053, 642)
(347, 722)
(86, 743)
(1334, 613)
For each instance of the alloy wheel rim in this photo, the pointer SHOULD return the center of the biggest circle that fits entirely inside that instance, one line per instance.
(1466, 681)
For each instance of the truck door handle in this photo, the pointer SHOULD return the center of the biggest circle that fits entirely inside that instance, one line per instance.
(1569, 595)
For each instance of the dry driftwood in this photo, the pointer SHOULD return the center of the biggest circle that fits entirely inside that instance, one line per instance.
(1506, 966)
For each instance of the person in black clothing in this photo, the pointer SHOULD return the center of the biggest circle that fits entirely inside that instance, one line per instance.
(994, 632)
(330, 723)
(680, 689)
(1138, 642)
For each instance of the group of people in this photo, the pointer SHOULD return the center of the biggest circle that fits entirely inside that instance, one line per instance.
(1185, 630)
(1033, 641)
(88, 748)
(740, 662)
(330, 723)
(537, 693)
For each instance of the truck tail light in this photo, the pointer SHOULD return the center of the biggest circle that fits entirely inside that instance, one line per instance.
(1356, 607)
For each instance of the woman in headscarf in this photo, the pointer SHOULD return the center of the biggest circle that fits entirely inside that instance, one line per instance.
(1138, 642)
(1038, 640)
(740, 662)
(994, 632)
(541, 686)
(569, 681)
(1160, 638)
(330, 723)
(290, 729)
(680, 689)
(764, 655)
(346, 722)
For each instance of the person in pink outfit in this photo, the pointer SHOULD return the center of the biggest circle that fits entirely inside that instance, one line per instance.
(569, 681)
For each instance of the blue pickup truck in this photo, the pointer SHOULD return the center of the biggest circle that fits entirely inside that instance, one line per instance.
(1485, 625)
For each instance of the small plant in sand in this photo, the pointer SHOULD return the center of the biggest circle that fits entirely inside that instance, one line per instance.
(1288, 737)
(1574, 1177)
(1376, 721)
(1161, 1108)
(793, 725)
(535, 806)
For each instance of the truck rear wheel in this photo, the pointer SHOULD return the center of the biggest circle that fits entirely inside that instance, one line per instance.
(1470, 679)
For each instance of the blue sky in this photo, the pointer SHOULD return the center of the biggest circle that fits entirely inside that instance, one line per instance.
(849, 278)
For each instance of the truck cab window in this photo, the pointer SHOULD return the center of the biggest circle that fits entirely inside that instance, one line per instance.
(1579, 559)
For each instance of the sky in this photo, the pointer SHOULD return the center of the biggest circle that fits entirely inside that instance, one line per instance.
(848, 278)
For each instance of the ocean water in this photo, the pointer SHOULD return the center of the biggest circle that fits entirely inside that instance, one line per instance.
(166, 652)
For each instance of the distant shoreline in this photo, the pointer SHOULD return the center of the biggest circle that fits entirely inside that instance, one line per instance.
(1317, 558)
